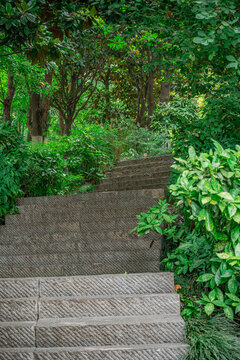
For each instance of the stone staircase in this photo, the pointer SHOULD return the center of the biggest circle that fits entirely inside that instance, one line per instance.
(148, 173)
(56, 301)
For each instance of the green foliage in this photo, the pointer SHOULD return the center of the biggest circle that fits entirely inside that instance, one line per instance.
(207, 192)
(11, 149)
(207, 240)
(87, 152)
(142, 142)
(42, 172)
(154, 219)
(212, 338)
(175, 115)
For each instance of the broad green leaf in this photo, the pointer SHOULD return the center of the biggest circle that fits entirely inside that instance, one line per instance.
(235, 234)
(192, 153)
(229, 312)
(202, 215)
(227, 196)
(236, 217)
(206, 200)
(233, 285)
(205, 277)
(237, 249)
(237, 310)
(233, 297)
(232, 210)
(223, 256)
(209, 308)
(209, 222)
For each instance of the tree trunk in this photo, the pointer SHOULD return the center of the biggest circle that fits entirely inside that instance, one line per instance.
(39, 107)
(61, 124)
(165, 92)
(68, 125)
(7, 102)
(151, 102)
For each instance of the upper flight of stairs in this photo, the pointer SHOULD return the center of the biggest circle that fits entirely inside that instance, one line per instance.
(148, 173)
(57, 301)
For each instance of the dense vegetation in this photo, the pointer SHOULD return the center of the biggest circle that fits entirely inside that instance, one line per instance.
(85, 83)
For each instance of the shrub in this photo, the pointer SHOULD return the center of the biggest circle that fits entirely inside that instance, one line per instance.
(11, 154)
(206, 240)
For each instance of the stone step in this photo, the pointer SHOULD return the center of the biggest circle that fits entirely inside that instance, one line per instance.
(84, 215)
(119, 305)
(89, 237)
(85, 286)
(100, 257)
(129, 242)
(136, 177)
(120, 330)
(145, 161)
(26, 309)
(122, 204)
(79, 269)
(131, 186)
(91, 197)
(138, 170)
(51, 227)
(166, 351)
(17, 334)
(137, 181)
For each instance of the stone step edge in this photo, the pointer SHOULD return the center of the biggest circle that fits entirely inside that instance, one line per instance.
(64, 278)
(108, 320)
(75, 222)
(85, 197)
(85, 213)
(95, 321)
(145, 159)
(96, 348)
(39, 297)
(130, 181)
(106, 232)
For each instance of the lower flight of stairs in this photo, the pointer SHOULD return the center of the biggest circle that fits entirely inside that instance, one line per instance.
(57, 301)
(129, 317)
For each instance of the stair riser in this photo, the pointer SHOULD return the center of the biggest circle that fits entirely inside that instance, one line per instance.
(118, 306)
(145, 161)
(84, 286)
(81, 258)
(117, 334)
(130, 187)
(87, 206)
(50, 227)
(141, 181)
(174, 353)
(83, 216)
(91, 197)
(90, 237)
(56, 247)
(78, 269)
(134, 170)
(136, 177)
(17, 336)
(27, 310)
(18, 310)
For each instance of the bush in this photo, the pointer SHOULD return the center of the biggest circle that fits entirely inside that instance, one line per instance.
(142, 142)
(11, 154)
(206, 240)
